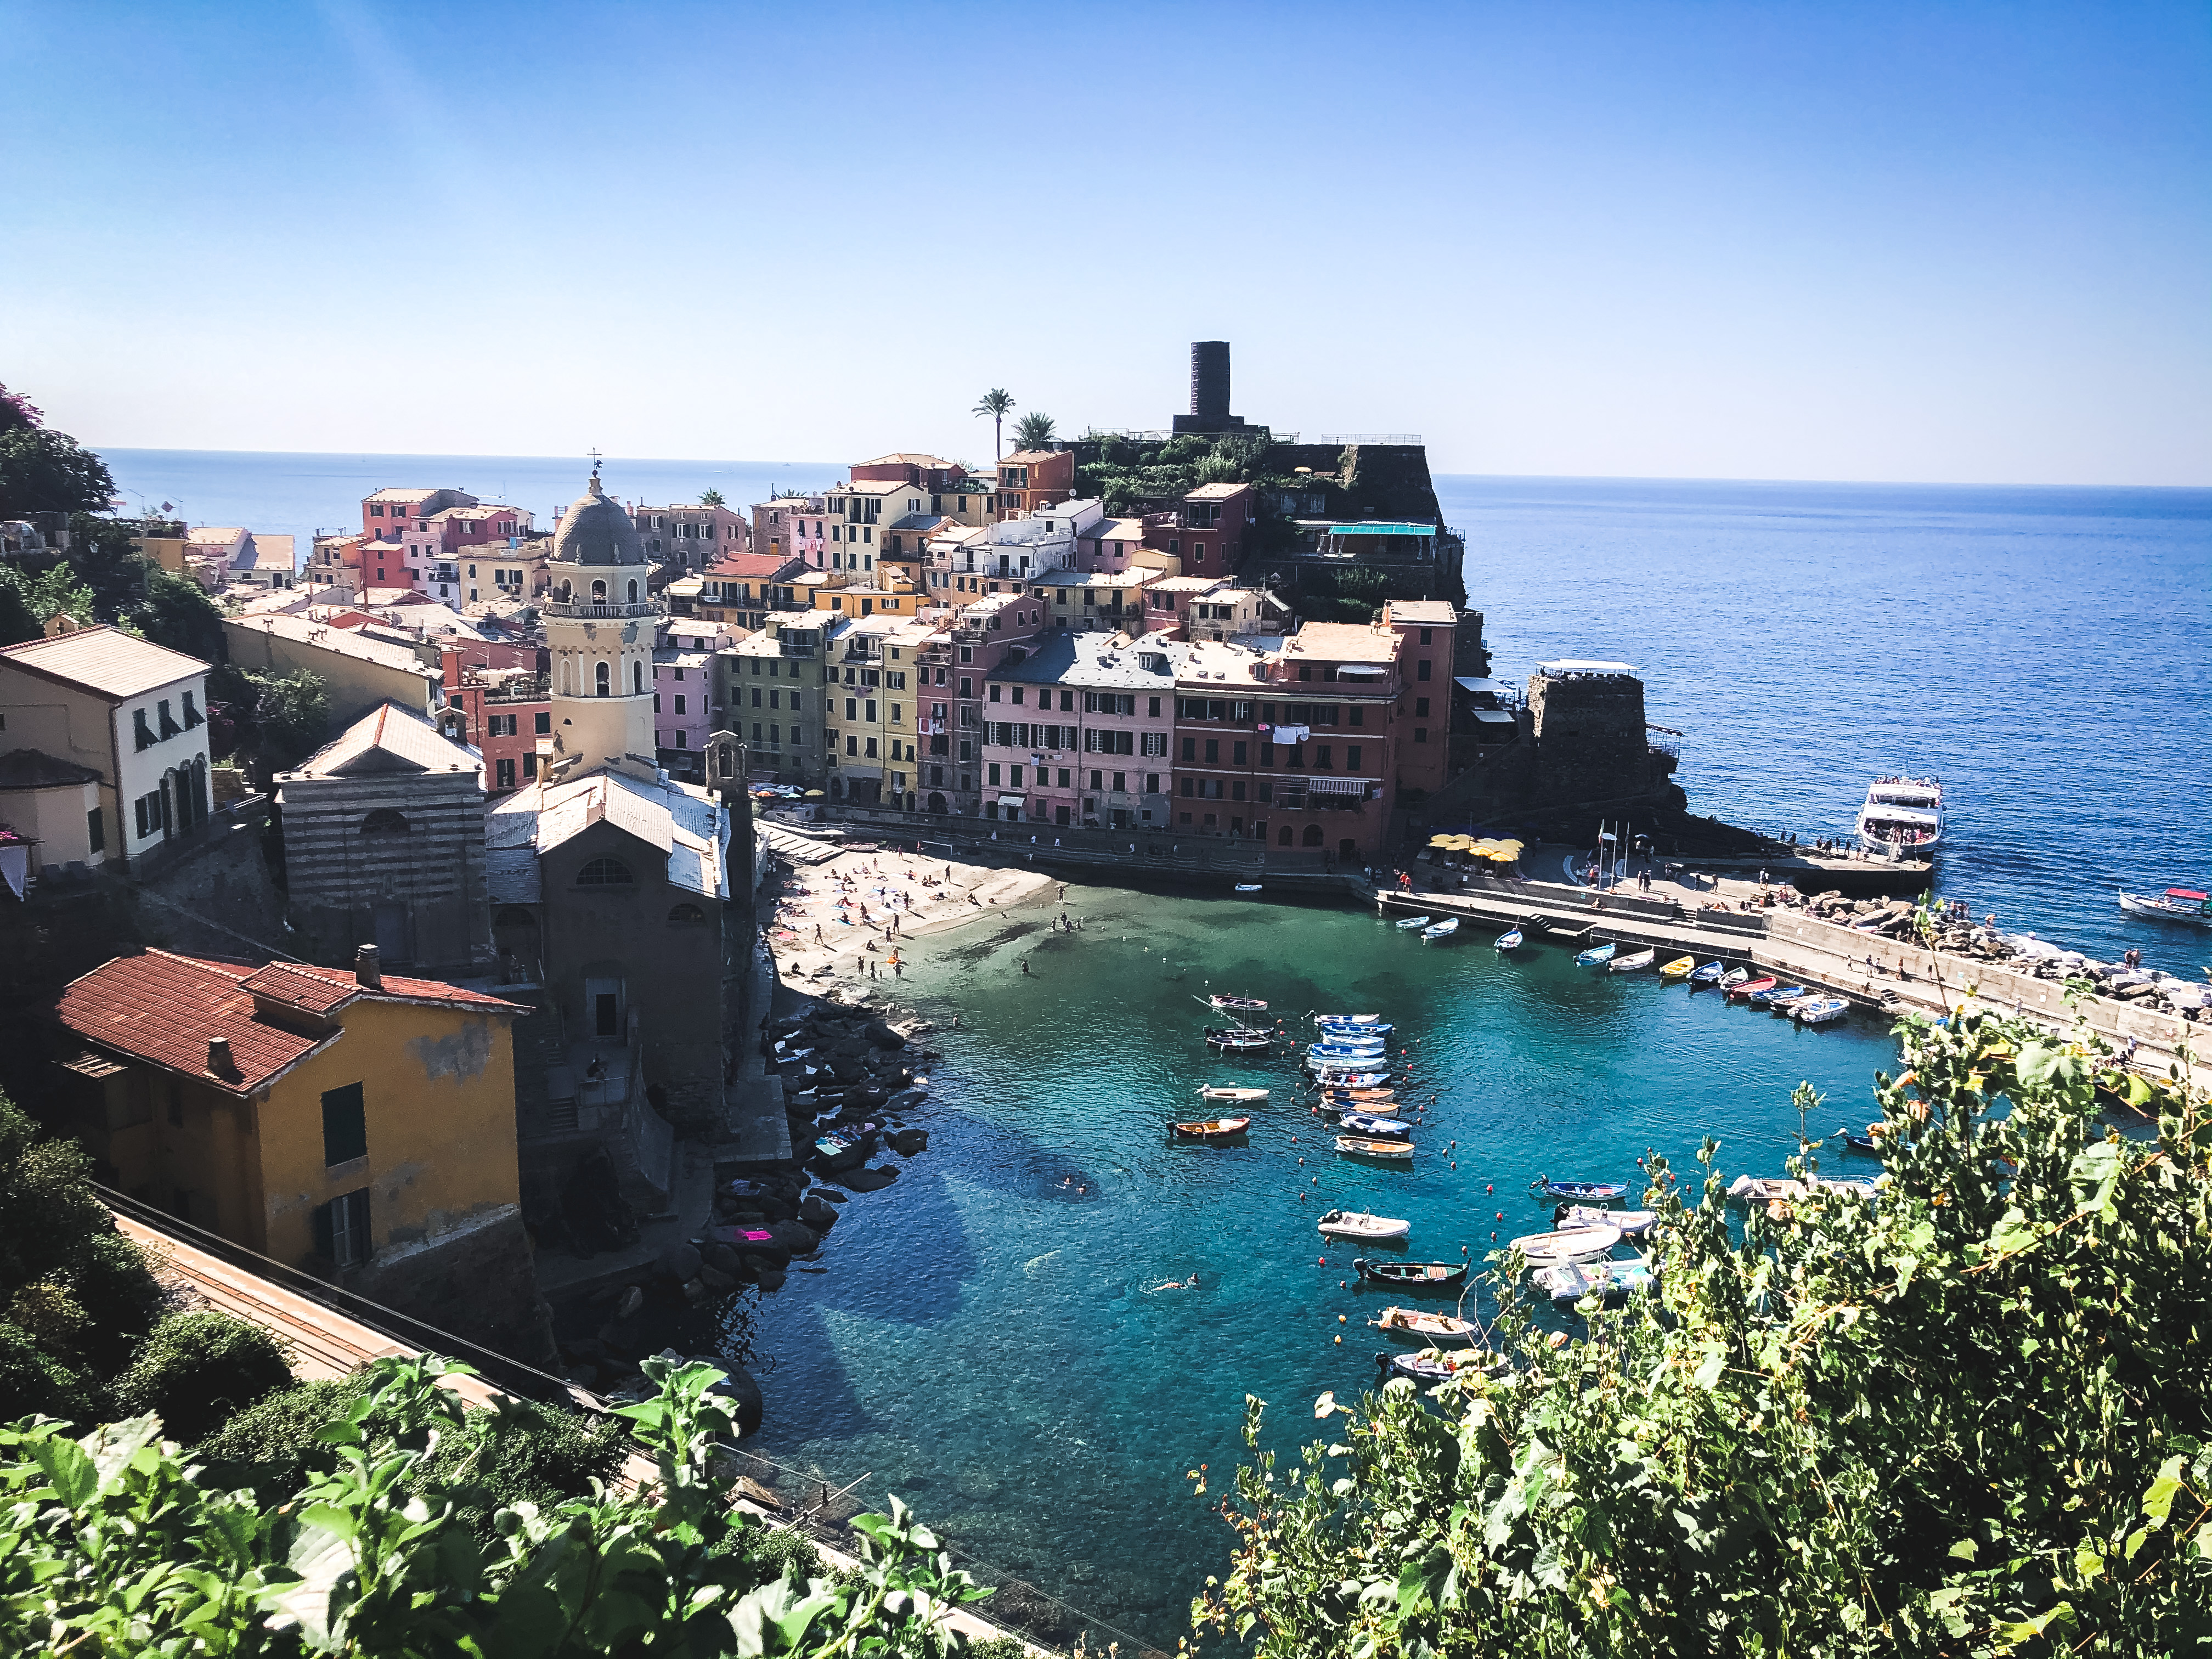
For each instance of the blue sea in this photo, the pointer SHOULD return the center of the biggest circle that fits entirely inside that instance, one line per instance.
(987, 1340)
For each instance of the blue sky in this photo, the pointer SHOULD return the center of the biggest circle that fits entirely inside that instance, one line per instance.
(1915, 241)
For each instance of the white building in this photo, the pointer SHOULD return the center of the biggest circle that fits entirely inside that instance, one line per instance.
(133, 711)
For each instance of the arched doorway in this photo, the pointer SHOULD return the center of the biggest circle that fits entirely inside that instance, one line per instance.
(1312, 837)
(936, 801)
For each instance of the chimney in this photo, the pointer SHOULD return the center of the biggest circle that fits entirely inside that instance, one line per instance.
(219, 1059)
(366, 969)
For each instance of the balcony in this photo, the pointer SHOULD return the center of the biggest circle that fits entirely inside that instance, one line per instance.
(602, 612)
(523, 688)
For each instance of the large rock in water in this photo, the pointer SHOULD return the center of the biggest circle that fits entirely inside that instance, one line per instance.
(818, 1215)
(872, 1180)
(679, 1264)
(907, 1142)
(797, 1239)
(743, 1394)
(881, 1036)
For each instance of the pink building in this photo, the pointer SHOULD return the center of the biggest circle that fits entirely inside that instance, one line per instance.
(1079, 732)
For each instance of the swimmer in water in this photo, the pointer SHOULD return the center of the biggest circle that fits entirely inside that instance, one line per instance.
(1190, 1284)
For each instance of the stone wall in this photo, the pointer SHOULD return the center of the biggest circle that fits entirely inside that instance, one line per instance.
(479, 1282)
(419, 887)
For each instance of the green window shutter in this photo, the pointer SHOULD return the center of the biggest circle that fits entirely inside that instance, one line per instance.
(345, 1127)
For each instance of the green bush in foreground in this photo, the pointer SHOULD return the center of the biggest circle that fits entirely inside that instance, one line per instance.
(110, 1545)
(1970, 1418)
(197, 1371)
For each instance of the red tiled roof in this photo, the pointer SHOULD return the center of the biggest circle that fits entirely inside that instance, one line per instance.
(162, 1007)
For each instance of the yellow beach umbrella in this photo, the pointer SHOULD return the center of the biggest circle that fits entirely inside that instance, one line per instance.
(1443, 840)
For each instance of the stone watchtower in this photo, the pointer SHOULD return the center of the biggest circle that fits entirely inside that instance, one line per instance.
(599, 625)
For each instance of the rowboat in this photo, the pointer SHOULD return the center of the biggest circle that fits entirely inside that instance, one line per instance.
(1443, 930)
(1680, 968)
(2176, 904)
(1397, 1151)
(1358, 1096)
(1212, 1128)
(1633, 1223)
(1773, 993)
(1247, 886)
(1568, 1244)
(1346, 1057)
(1819, 1011)
(1417, 1325)
(1353, 1033)
(1509, 941)
(1857, 1143)
(1348, 1045)
(1734, 977)
(1780, 1190)
(1412, 1275)
(1610, 1281)
(1790, 999)
(1582, 1191)
(1708, 975)
(1347, 1019)
(1367, 1123)
(1743, 990)
(1349, 1080)
(1596, 956)
(1242, 1005)
(1240, 1042)
(1632, 964)
(1408, 924)
(1358, 1224)
(1221, 1096)
(1431, 1366)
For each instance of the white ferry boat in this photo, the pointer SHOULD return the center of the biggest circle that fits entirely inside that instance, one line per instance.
(1902, 818)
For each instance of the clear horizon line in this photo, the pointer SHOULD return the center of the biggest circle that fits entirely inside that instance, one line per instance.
(1552, 477)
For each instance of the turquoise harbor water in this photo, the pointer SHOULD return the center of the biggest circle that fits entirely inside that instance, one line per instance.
(983, 1341)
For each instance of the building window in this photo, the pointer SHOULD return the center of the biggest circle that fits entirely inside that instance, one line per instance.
(142, 734)
(95, 832)
(504, 771)
(687, 915)
(384, 822)
(342, 1228)
(604, 873)
(606, 680)
(502, 726)
(345, 1126)
(542, 722)
(1421, 673)
(1420, 734)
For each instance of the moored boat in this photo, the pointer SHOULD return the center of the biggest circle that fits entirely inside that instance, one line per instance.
(1358, 1096)
(1854, 1143)
(1596, 956)
(1635, 963)
(1773, 991)
(1436, 1329)
(1213, 1129)
(1412, 1275)
(1901, 818)
(1240, 1005)
(1247, 886)
(1581, 1191)
(1358, 1224)
(1396, 1151)
(1347, 1019)
(1734, 977)
(1708, 975)
(1744, 990)
(1443, 930)
(1567, 1244)
(1367, 1123)
(1411, 924)
(1240, 1041)
(1218, 1095)
(1431, 1366)
(1633, 1223)
(1511, 940)
(1610, 1281)
(1331, 1075)
(1821, 1011)
(2175, 904)
(1680, 968)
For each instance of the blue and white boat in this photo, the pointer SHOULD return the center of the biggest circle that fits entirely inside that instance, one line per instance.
(1509, 941)
(1347, 1056)
(1411, 924)
(1337, 1029)
(1597, 957)
(1775, 993)
(1443, 930)
(1820, 1010)
(1348, 1020)
(1366, 1123)
(1708, 975)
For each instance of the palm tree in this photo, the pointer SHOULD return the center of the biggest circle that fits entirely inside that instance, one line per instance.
(710, 498)
(996, 404)
(1034, 430)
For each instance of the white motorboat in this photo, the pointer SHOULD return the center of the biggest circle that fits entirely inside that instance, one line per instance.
(1443, 930)
(1901, 819)
(1610, 1281)
(1633, 1223)
(1633, 963)
(1409, 924)
(1509, 941)
(2175, 904)
(1232, 1096)
(1358, 1224)
(1820, 1010)
(1568, 1244)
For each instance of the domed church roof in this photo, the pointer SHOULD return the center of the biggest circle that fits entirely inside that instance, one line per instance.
(597, 531)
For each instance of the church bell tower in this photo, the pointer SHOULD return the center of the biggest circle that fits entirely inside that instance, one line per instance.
(600, 627)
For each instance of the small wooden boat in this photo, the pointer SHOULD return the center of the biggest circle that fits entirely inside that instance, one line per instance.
(1240, 1005)
(1358, 1224)
(1596, 957)
(1708, 975)
(1511, 940)
(1858, 1143)
(1443, 930)
(1772, 993)
(1361, 1039)
(1240, 1041)
(1350, 1080)
(1744, 990)
(1567, 1244)
(1411, 924)
(1819, 1011)
(1734, 977)
(2176, 904)
(1397, 1151)
(1412, 1275)
(1633, 1223)
(1366, 1123)
(1357, 1033)
(1431, 1366)
(1635, 963)
(1354, 1100)
(1436, 1329)
(1247, 886)
(1680, 968)
(1611, 1282)
(1212, 1128)
(1581, 1191)
(1765, 1189)
(1221, 1096)
(1347, 1019)
(1791, 998)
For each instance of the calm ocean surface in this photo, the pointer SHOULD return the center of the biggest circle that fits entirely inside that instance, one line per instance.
(984, 1341)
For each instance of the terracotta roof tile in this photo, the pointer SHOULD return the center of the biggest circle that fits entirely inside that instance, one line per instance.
(162, 1007)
